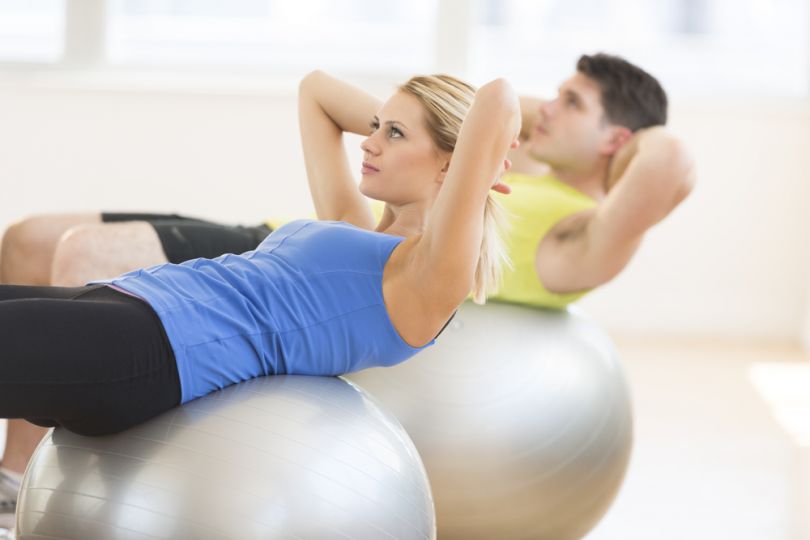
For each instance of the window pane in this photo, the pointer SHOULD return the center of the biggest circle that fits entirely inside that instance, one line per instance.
(31, 30)
(695, 47)
(289, 35)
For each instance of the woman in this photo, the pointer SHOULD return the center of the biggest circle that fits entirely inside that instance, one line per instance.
(317, 297)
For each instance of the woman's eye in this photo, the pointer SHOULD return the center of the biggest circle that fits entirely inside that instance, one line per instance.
(395, 133)
(374, 126)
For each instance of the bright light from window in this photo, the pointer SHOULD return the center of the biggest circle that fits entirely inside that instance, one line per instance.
(784, 386)
(31, 30)
(393, 36)
(695, 47)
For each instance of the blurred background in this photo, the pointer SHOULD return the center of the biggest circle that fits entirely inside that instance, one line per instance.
(189, 106)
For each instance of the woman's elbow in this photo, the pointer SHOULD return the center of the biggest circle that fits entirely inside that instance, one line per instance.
(500, 88)
(309, 80)
(499, 102)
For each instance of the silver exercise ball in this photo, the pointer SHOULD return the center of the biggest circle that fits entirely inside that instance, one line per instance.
(277, 457)
(522, 418)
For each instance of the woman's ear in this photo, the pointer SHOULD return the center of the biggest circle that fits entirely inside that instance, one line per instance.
(443, 171)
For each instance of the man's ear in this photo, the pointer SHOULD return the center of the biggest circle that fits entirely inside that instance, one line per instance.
(618, 137)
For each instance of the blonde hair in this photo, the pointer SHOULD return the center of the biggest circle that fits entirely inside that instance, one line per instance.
(446, 100)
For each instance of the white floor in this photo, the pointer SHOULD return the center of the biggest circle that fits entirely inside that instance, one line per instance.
(710, 461)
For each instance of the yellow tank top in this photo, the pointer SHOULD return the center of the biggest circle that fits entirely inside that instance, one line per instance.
(536, 204)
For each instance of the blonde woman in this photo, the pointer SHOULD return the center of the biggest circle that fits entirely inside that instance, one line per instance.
(318, 297)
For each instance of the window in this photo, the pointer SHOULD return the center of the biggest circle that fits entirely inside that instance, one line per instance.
(695, 47)
(31, 30)
(280, 34)
(704, 48)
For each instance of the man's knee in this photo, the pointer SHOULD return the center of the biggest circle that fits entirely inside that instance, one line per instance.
(27, 249)
(79, 249)
(25, 235)
(102, 251)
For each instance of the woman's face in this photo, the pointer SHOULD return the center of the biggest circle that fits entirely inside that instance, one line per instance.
(401, 164)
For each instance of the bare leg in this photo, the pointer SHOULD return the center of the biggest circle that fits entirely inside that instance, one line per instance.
(28, 246)
(21, 441)
(103, 251)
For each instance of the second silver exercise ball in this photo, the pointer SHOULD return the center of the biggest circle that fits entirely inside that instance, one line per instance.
(522, 418)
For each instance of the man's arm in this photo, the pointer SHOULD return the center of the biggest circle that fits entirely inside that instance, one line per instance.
(649, 177)
(522, 160)
(529, 107)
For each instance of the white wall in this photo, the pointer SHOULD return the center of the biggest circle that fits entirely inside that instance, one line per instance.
(732, 261)
(232, 157)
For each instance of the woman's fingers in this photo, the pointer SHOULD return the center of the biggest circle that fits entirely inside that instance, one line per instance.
(500, 187)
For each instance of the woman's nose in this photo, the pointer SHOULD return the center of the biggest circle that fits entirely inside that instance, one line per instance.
(369, 145)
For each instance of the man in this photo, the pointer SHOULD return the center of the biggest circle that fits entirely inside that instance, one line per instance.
(595, 172)
(599, 171)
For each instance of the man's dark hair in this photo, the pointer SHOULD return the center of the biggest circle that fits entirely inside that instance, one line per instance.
(631, 97)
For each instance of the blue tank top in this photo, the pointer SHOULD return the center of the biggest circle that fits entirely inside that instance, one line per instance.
(307, 301)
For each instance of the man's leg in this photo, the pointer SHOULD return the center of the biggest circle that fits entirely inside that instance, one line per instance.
(104, 250)
(28, 246)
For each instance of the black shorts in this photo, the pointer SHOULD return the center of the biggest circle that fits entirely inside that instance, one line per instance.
(184, 238)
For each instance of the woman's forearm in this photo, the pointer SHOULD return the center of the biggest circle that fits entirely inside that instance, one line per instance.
(452, 239)
(326, 109)
(348, 107)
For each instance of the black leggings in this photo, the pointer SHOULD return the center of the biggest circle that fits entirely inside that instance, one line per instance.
(91, 359)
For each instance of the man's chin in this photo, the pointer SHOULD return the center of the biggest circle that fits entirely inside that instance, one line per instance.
(538, 152)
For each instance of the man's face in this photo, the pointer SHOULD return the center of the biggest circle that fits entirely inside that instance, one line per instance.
(571, 131)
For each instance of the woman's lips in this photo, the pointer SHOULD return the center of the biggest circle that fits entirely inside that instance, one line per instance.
(369, 169)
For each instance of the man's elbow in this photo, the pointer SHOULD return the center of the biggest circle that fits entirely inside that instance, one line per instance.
(688, 177)
(678, 160)
(561, 274)
(575, 282)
